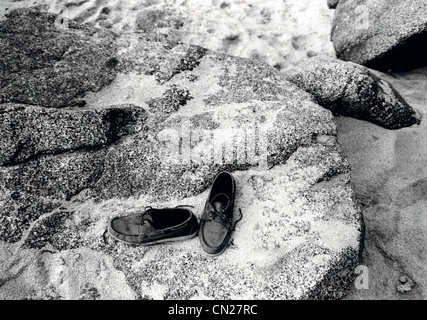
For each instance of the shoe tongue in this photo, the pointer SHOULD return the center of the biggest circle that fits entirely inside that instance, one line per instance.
(150, 217)
(220, 202)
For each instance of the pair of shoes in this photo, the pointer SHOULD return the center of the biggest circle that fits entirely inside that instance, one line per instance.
(179, 223)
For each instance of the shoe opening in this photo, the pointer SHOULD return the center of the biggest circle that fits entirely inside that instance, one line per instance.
(223, 184)
(167, 218)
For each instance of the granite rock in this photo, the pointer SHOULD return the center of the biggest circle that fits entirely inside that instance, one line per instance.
(302, 230)
(383, 35)
(29, 131)
(352, 90)
(47, 63)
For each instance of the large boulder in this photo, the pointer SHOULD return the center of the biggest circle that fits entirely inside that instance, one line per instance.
(204, 112)
(29, 131)
(352, 90)
(381, 34)
(52, 64)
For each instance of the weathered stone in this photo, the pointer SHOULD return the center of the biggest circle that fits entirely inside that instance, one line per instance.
(383, 35)
(49, 64)
(38, 186)
(352, 90)
(29, 131)
(301, 232)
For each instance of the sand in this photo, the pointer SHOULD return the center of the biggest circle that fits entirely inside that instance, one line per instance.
(390, 179)
(389, 172)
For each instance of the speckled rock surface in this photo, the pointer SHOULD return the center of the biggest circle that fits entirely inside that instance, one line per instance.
(381, 34)
(301, 232)
(30, 131)
(352, 90)
(42, 66)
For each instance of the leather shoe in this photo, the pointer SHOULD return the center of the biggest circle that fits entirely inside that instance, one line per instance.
(216, 223)
(154, 226)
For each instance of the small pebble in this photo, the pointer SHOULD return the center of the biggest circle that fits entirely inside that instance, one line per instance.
(406, 285)
(403, 279)
(403, 288)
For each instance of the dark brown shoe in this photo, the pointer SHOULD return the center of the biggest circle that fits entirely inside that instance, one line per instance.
(154, 226)
(216, 224)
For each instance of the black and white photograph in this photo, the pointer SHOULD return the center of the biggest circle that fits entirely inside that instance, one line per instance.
(220, 151)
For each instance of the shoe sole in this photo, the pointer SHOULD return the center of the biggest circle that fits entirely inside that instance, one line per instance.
(187, 237)
(216, 254)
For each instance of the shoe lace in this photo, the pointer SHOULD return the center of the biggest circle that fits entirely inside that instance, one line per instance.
(240, 218)
(143, 214)
(222, 214)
